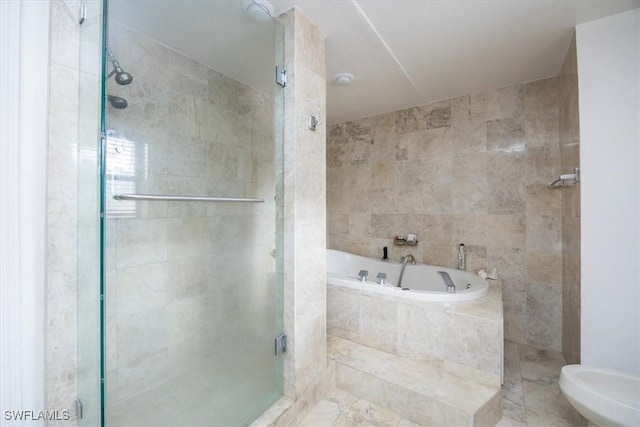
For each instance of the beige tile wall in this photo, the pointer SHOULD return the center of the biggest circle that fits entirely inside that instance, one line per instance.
(72, 342)
(570, 159)
(424, 331)
(470, 170)
(304, 157)
(62, 216)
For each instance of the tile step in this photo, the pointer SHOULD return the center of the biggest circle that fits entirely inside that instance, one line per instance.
(436, 392)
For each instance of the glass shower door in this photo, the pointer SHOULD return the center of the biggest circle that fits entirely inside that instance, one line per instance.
(88, 268)
(192, 288)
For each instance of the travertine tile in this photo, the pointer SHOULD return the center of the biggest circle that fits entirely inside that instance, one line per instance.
(172, 262)
(377, 323)
(515, 326)
(528, 402)
(438, 117)
(540, 366)
(479, 165)
(340, 397)
(540, 200)
(512, 390)
(513, 414)
(570, 158)
(506, 135)
(324, 414)
(470, 184)
(542, 128)
(543, 164)
(406, 423)
(544, 316)
(363, 413)
(541, 418)
(497, 104)
(544, 233)
(544, 401)
(408, 120)
(437, 228)
(506, 231)
(382, 175)
(141, 288)
(510, 264)
(441, 254)
(544, 267)
(506, 183)
(541, 95)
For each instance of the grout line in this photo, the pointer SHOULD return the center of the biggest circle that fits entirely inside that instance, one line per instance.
(366, 18)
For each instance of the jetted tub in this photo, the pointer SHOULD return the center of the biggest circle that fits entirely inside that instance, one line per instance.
(419, 281)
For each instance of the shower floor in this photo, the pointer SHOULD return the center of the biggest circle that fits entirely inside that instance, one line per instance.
(202, 397)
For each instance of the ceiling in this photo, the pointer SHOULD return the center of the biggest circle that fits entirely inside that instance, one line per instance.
(402, 53)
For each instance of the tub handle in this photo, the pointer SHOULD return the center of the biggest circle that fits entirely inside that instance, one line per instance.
(381, 278)
(363, 275)
(451, 287)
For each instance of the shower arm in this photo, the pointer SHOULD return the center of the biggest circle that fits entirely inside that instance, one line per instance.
(110, 53)
(114, 63)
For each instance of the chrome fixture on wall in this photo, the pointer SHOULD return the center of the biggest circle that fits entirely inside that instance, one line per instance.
(451, 287)
(117, 102)
(569, 178)
(404, 260)
(122, 77)
(462, 257)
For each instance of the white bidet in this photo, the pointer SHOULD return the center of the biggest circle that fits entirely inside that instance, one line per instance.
(604, 397)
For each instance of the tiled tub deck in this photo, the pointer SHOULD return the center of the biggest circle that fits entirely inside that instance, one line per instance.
(432, 363)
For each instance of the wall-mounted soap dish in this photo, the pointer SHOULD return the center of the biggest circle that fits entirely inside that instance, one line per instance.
(403, 241)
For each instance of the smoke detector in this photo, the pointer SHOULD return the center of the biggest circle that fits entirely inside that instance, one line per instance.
(258, 11)
(343, 79)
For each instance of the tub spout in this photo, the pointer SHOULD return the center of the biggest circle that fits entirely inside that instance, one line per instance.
(404, 260)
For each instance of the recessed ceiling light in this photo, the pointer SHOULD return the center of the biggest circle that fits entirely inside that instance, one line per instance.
(343, 79)
(258, 11)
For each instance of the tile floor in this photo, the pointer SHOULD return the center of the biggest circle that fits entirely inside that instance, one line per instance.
(531, 397)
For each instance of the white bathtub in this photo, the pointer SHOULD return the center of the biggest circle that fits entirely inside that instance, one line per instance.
(423, 281)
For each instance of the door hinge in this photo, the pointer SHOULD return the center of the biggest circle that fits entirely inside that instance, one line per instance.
(82, 15)
(281, 76)
(281, 344)
(79, 409)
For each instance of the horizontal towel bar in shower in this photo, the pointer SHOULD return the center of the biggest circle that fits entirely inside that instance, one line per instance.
(166, 198)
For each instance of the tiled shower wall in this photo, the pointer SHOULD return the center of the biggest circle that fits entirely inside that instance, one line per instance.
(305, 221)
(72, 344)
(174, 293)
(62, 216)
(470, 170)
(570, 159)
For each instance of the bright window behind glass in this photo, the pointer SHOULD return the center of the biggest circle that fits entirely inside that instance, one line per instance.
(126, 161)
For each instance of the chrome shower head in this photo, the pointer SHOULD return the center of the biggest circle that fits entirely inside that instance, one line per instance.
(122, 77)
(117, 102)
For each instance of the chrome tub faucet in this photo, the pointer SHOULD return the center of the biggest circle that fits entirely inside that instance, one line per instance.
(404, 261)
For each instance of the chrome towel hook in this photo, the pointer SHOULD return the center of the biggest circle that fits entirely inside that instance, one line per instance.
(570, 178)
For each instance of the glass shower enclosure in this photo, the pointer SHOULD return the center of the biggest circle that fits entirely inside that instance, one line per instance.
(191, 171)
